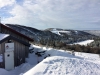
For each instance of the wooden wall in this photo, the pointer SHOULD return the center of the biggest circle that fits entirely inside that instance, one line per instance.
(2, 51)
(20, 53)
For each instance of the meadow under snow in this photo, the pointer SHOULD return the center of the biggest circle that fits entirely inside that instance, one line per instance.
(59, 62)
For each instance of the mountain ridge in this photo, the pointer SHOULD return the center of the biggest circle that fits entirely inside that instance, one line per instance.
(49, 35)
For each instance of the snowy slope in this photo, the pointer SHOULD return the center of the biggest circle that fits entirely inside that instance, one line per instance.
(65, 64)
(84, 42)
(69, 32)
(58, 32)
(59, 63)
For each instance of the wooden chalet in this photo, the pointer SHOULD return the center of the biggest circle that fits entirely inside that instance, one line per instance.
(14, 47)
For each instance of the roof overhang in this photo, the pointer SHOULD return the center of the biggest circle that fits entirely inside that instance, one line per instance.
(13, 38)
(2, 25)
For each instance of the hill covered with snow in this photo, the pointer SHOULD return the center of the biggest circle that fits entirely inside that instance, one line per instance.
(94, 32)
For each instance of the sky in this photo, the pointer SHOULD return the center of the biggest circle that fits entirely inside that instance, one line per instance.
(43, 14)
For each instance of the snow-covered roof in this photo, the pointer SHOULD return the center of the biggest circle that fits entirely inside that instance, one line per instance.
(15, 32)
(3, 36)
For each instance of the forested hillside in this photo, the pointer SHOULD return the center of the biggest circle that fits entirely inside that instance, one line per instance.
(50, 36)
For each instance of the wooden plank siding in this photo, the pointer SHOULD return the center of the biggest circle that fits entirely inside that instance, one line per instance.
(1, 63)
(26, 51)
(2, 50)
(19, 53)
(1, 66)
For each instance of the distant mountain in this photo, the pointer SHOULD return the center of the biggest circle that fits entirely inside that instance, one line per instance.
(93, 32)
(67, 32)
(52, 36)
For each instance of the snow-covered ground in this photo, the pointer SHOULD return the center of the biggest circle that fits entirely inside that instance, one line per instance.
(58, 32)
(84, 42)
(59, 63)
(63, 63)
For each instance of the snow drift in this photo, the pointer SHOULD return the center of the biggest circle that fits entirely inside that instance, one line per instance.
(64, 64)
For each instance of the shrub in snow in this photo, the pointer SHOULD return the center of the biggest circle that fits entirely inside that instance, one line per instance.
(31, 50)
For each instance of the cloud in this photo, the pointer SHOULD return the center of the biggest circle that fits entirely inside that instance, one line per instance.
(6, 2)
(55, 13)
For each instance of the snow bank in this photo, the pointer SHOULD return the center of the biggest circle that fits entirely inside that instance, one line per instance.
(62, 63)
(95, 58)
(58, 65)
(3, 72)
